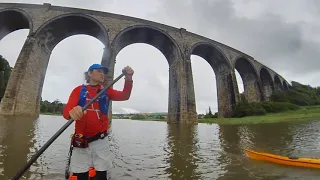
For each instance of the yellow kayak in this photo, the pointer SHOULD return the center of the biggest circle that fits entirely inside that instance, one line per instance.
(291, 161)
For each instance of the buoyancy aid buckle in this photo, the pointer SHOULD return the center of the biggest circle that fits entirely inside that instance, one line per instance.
(78, 135)
(79, 141)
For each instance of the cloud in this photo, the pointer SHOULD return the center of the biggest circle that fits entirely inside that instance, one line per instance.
(271, 37)
(285, 39)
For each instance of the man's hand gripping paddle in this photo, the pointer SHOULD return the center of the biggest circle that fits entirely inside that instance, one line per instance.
(59, 132)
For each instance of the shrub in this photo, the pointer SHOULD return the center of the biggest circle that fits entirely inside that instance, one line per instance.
(250, 109)
(274, 107)
(244, 108)
(299, 94)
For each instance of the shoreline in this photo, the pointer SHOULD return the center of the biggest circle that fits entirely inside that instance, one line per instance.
(51, 114)
(303, 114)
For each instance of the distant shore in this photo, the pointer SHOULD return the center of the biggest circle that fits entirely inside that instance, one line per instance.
(305, 113)
(52, 114)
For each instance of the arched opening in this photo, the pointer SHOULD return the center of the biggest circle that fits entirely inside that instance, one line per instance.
(205, 90)
(9, 55)
(74, 56)
(12, 20)
(267, 83)
(32, 64)
(153, 79)
(222, 71)
(147, 35)
(51, 32)
(277, 82)
(250, 80)
(68, 61)
(239, 82)
(285, 85)
(15, 39)
(15, 26)
(73, 24)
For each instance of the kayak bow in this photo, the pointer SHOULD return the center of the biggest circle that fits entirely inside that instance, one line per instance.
(291, 161)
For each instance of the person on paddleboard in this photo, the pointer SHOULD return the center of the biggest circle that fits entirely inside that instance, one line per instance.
(89, 147)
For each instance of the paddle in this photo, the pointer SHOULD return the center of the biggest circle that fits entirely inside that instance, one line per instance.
(55, 136)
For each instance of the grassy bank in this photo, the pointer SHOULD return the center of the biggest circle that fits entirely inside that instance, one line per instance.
(305, 113)
(160, 120)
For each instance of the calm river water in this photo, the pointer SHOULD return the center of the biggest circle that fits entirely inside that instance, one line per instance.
(156, 150)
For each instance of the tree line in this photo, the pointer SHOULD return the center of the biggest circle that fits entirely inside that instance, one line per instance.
(55, 107)
(297, 96)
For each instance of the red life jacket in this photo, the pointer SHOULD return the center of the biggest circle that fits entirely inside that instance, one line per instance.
(95, 120)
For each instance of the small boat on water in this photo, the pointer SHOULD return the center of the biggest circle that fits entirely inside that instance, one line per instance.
(284, 160)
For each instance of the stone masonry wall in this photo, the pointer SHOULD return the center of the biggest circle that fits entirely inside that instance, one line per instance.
(22, 95)
(226, 94)
(252, 89)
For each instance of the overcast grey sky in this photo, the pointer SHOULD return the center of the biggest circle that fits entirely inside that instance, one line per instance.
(283, 34)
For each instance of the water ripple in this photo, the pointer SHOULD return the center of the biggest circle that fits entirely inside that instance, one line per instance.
(156, 150)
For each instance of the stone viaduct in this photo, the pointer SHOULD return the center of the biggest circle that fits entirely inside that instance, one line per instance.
(49, 25)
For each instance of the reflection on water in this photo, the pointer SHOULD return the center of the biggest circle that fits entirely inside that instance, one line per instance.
(231, 144)
(16, 137)
(182, 147)
(156, 150)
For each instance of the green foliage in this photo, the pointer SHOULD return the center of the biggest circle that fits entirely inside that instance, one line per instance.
(275, 107)
(243, 108)
(138, 116)
(250, 109)
(159, 117)
(209, 114)
(141, 116)
(5, 72)
(55, 107)
(299, 94)
(279, 96)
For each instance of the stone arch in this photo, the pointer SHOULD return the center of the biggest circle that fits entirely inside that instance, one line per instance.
(179, 107)
(277, 82)
(50, 33)
(250, 79)
(13, 19)
(149, 35)
(213, 55)
(285, 85)
(266, 82)
(35, 56)
(224, 75)
(248, 61)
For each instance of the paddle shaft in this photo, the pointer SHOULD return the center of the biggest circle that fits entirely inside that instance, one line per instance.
(58, 133)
